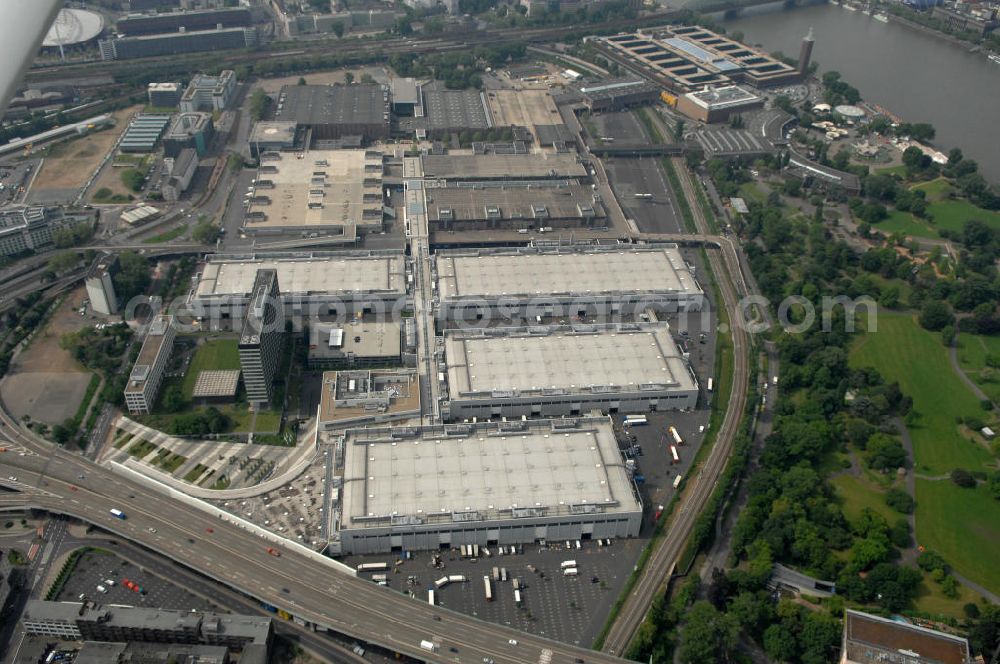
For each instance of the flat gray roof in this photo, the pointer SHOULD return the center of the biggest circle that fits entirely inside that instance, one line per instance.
(333, 104)
(522, 362)
(449, 109)
(495, 274)
(485, 472)
(360, 338)
(533, 204)
(499, 166)
(318, 275)
(404, 91)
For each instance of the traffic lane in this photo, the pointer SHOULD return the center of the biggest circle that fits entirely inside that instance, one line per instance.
(229, 551)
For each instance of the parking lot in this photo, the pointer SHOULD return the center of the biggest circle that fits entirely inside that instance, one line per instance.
(95, 567)
(642, 175)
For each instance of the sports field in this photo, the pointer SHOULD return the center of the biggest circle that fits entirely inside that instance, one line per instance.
(213, 354)
(962, 524)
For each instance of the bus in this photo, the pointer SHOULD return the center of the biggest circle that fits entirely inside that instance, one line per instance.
(488, 587)
(677, 481)
(379, 577)
(635, 420)
(373, 567)
(430, 597)
(442, 582)
(676, 436)
(517, 596)
(643, 196)
(675, 457)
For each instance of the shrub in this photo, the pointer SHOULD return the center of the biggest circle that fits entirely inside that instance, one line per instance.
(963, 478)
(899, 500)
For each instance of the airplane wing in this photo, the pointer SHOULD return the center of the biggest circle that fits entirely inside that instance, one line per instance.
(21, 34)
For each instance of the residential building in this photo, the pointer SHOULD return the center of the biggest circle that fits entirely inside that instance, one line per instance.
(260, 345)
(147, 373)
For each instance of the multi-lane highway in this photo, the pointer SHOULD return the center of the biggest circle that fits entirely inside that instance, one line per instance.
(61, 482)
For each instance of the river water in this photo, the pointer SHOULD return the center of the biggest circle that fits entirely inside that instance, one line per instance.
(917, 76)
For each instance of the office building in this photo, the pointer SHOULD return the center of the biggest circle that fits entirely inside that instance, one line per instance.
(358, 343)
(687, 58)
(523, 283)
(100, 286)
(151, 46)
(434, 487)
(209, 93)
(336, 111)
(164, 95)
(189, 130)
(718, 104)
(147, 373)
(182, 169)
(329, 191)
(320, 284)
(261, 338)
(564, 370)
(88, 621)
(183, 21)
(872, 639)
(30, 228)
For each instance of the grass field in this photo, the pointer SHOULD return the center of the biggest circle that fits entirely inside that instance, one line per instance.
(857, 493)
(942, 214)
(213, 354)
(902, 351)
(967, 542)
(936, 190)
(972, 352)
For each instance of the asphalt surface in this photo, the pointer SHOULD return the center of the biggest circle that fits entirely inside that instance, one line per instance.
(311, 589)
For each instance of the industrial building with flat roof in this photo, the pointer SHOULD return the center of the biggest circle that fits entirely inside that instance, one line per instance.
(147, 373)
(359, 343)
(442, 111)
(354, 397)
(183, 21)
(513, 206)
(75, 621)
(564, 370)
(718, 104)
(319, 190)
(467, 167)
(278, 136)
(548, 282)
(687, 58)
(144, 132)
(335, 111)
(872, 639)
(619, 93)
(151, 46)
(312, 284)
(434, 487)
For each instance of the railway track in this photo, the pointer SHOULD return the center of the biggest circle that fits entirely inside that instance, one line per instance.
(725, 266)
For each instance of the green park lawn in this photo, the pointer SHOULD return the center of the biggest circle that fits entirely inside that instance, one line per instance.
(213, 354)
(972, 352)
(858, 493)
(942, 213)
(936, 190)
(903, 351)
